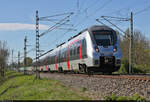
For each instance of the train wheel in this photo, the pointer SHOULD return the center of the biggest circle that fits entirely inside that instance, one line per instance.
(107, 73)
(89, 72)
(64, 72)
(85, 68)
(49, 70)
(110, 73)
(41, 70)
(81, 68)
(60, 70)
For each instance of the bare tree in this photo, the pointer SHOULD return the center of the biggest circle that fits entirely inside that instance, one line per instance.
(3, 57)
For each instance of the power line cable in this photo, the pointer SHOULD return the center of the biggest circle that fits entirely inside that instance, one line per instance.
(93, 14)
(141, 11)
(85, 10)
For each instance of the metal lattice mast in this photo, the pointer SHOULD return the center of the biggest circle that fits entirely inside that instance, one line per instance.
(131, 45)
(25, 53)
(12, 60)
(37, 45)
(18, 60)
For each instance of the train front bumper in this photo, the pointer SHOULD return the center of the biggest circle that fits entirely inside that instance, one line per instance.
(107, 60)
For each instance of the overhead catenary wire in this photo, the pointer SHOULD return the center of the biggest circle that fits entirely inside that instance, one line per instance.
(118, 18)
(113, 25)
(92, 14)
(33, 49)
(141, 11)
(90, 6)
(58, 23)
(41, 18)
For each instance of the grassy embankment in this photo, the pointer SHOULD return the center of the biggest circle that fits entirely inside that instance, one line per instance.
(23, 87)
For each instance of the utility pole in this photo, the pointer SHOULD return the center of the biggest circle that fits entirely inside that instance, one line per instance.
(25, 45)
(131, 45)
(18, 60)
(37, 46)
(12, 61)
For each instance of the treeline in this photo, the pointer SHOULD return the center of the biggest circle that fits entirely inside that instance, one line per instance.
(21, 64)
(141, 53)
(4, 53)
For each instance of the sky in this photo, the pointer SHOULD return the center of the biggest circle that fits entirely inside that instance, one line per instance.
(17, 20)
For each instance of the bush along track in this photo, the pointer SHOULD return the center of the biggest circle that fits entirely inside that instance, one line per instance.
(135, 97)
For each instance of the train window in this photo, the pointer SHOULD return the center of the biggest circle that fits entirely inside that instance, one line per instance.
(63, 56)
(78, 49)
(103, 38)
(74, 51)
(83, 43)
(49, 60)
(53, 59)
(70, 52)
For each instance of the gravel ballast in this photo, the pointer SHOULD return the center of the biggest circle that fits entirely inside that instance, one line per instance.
(98, 88)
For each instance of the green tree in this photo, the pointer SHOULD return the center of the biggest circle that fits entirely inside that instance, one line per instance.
(141, 51)
(4, 53)
(28, 62)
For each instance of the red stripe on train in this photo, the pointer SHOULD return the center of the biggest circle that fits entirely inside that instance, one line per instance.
(80, 50)
(68, 63)
(46, 67)
(43, 67)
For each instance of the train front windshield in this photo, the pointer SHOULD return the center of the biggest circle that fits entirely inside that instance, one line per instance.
(103, 38)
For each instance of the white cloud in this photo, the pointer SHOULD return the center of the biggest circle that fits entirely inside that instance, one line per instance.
(20, 26)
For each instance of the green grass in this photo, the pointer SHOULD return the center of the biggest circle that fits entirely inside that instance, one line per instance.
(23, 87)
(135, 97)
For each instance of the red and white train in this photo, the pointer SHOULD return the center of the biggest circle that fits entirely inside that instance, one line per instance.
(93, 49)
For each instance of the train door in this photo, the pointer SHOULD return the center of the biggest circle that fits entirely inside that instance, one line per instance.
(83, 49)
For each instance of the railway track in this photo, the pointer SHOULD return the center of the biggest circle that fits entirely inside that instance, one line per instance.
(141, 77)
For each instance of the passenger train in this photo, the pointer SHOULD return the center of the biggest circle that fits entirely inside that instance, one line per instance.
(94, 49)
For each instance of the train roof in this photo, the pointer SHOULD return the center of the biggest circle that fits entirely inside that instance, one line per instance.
(99, 27)
(92, 28)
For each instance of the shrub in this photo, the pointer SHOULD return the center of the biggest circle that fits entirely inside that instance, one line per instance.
(135, 97)
(140, 69)
(124, 66)
(84, 89)
(124, 69)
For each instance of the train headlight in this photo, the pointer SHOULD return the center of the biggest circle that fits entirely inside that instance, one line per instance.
(115, 49)
(96, 48)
